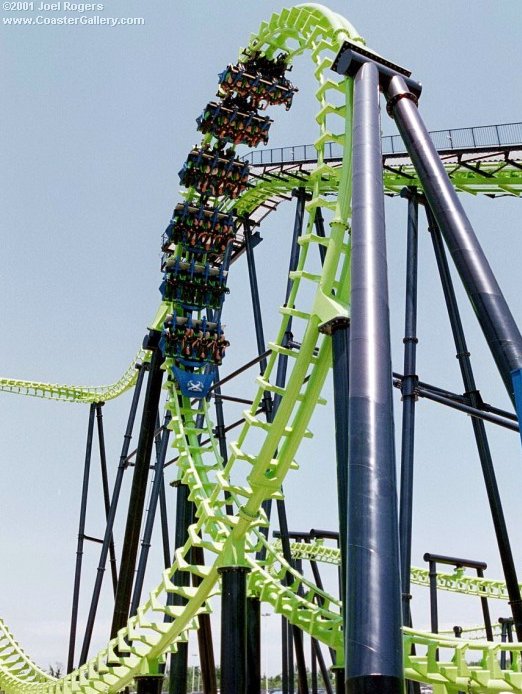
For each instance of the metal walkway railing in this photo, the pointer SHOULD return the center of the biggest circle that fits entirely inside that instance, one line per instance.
(479, 137)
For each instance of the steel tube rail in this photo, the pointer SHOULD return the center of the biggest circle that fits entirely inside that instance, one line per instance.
(495, 318)
(373, 643)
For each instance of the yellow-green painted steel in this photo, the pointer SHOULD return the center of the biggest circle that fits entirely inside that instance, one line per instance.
(264, 453)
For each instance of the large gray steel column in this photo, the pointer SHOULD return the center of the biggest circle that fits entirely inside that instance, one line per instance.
(373, 645)
(497, 323)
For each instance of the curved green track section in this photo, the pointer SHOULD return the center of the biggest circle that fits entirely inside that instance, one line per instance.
(264, 453)
(72, 393)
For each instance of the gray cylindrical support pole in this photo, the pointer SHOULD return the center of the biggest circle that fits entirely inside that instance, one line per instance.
(81, 537)
(409, 398)
(373, 595)
(495, 318)
(233, 629)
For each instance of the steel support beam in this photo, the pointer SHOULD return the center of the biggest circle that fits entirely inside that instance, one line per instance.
(81, 537)
(270, 407)
(373, 644)
(479, 428)
(233, 629)
(149, 684)
(409, 399)
(107, 538)
(161, 454)
(495, 318)
(179, 661)
(138, 489)
(105, 485)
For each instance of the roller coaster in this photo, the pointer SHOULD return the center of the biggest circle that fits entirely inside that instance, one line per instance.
(225, 490)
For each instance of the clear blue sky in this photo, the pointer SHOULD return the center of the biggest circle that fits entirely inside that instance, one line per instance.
(96, 122)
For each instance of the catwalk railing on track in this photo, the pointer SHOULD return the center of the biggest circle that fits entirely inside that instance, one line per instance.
(457, 139)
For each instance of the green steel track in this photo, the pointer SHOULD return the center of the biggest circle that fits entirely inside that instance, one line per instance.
(264, 453)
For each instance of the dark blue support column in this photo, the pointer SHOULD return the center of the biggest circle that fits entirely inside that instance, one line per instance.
(233, 629)
(339, 329)
(138, 489)
(373, 643)
(270, 407)
(179, 660)
(206, 650)
(495, 318)
(485, 610)
(506, 625)
(122, 466)
(105, 485)
(319, 228)
(219, 429)
(284, 655)
(149, 684)
(409, 398)
(81, 537)
(164, 525)
(256, 310)
(479, 428)
(254, 679)
(161, 453)
(434, 612)
(517, 389)
(339, 680)
(282, 362)
(291, 671)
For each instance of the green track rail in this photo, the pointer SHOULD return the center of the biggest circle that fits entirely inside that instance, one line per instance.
(80, 394)
(264, 453)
